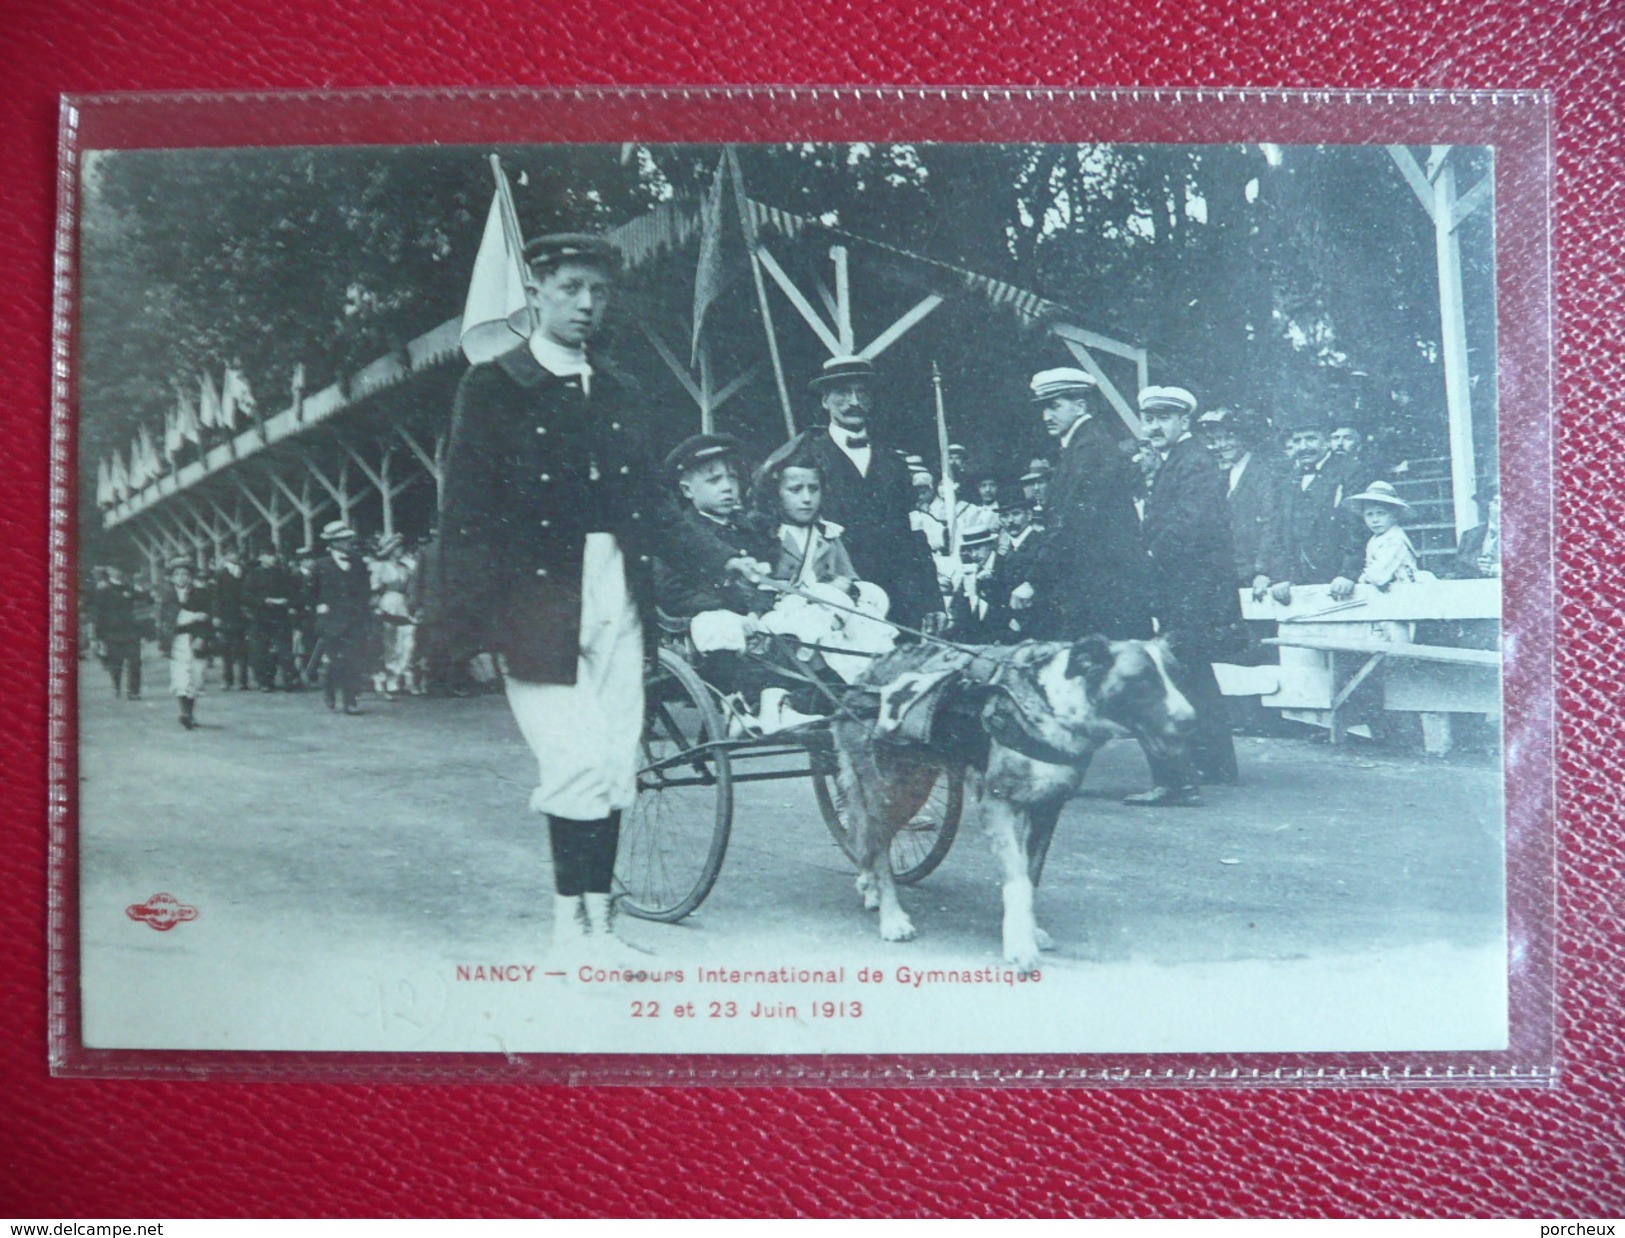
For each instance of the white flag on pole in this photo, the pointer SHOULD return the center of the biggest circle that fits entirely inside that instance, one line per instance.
(119, 478)
(235, 396)
(496, 316)
(208, 402)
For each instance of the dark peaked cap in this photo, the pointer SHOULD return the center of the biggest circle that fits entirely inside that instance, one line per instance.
(557, 247)
(700, 449)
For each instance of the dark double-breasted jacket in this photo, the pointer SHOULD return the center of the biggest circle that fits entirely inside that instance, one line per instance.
(197, 599)
(1089, 568)
(1188, 544)
(873, 512)
(691, 574)
(1255, 509)
(535, 462)
(1316, 539)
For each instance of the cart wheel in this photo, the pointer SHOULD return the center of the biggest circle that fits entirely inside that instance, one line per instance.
(921, 844)
(674, 837)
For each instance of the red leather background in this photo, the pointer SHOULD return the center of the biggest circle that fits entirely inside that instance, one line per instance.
(78, 1149)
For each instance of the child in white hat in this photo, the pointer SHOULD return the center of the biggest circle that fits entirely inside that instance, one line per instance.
(1390, 556)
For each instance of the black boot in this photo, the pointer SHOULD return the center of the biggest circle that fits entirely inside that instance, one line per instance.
(187, 720)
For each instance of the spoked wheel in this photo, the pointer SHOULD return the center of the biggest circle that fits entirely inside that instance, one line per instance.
(674, 838)
(919, 846)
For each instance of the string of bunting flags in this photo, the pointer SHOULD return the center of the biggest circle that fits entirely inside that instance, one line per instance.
(219, 409)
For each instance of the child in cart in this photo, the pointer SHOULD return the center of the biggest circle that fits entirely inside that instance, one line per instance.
(741, 583)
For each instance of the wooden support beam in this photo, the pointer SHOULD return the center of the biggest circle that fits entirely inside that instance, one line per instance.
(234, 523)
(1419, 182)
(732, 388)
(428, 461)
(827, 299)
(1453, 341)
(900, 328)
(1346, 691)
(802, 306)
(843, 298)
(268, 512)
(339, 490)
(678, 369)
(376, 477)
(300, 504)
(1096, 342)
(1128, 412)
(433, 464)
(1479, 195)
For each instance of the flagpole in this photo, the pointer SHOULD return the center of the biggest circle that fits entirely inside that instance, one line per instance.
(748, 226)
(510, 227)
(950, 487)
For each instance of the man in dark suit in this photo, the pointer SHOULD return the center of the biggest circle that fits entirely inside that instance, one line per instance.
(1188, 546)
(1252, 477)
(270, 597)
(113, 613)
(1317, 540)
(342, 593)
(1088, 571)
(1479, 554)
(868, 492)
(231, 621)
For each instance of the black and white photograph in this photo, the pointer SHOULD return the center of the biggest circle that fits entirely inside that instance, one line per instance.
(797, 599)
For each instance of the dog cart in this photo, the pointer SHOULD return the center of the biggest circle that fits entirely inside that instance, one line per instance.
(675, 837)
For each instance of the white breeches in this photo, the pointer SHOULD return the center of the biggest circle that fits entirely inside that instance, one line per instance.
(587, 736)
(185, 667)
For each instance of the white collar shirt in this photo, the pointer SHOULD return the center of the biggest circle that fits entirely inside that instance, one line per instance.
(1237, 469)
(861, 456)
(1066, 437)
(558, 360)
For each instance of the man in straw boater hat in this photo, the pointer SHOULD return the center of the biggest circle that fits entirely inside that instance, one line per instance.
(341, 595)
(1087, 573)
(553, 512)
(1193, 594)
(869, 492)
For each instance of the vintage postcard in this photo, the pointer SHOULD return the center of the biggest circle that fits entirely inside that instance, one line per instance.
(791, 599)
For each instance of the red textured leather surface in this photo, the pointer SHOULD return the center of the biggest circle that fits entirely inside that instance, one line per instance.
(81, 1149)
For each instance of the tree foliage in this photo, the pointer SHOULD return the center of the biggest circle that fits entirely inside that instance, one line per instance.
(1253, 274)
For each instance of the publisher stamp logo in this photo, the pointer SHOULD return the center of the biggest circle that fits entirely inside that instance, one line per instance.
(161, 912)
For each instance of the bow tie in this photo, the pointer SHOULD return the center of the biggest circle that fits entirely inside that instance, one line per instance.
(857, 440)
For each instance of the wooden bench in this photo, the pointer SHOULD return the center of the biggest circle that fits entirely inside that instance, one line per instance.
(1330, 648)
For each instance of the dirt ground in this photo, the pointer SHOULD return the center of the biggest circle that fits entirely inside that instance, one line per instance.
(321, 848)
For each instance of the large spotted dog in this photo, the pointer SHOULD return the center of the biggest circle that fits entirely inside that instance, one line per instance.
(1028, 720)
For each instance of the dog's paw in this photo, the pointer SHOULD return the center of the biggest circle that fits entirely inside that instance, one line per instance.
(896, 927)
(1045, 941)
(1021, 952)
(1025, 965)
